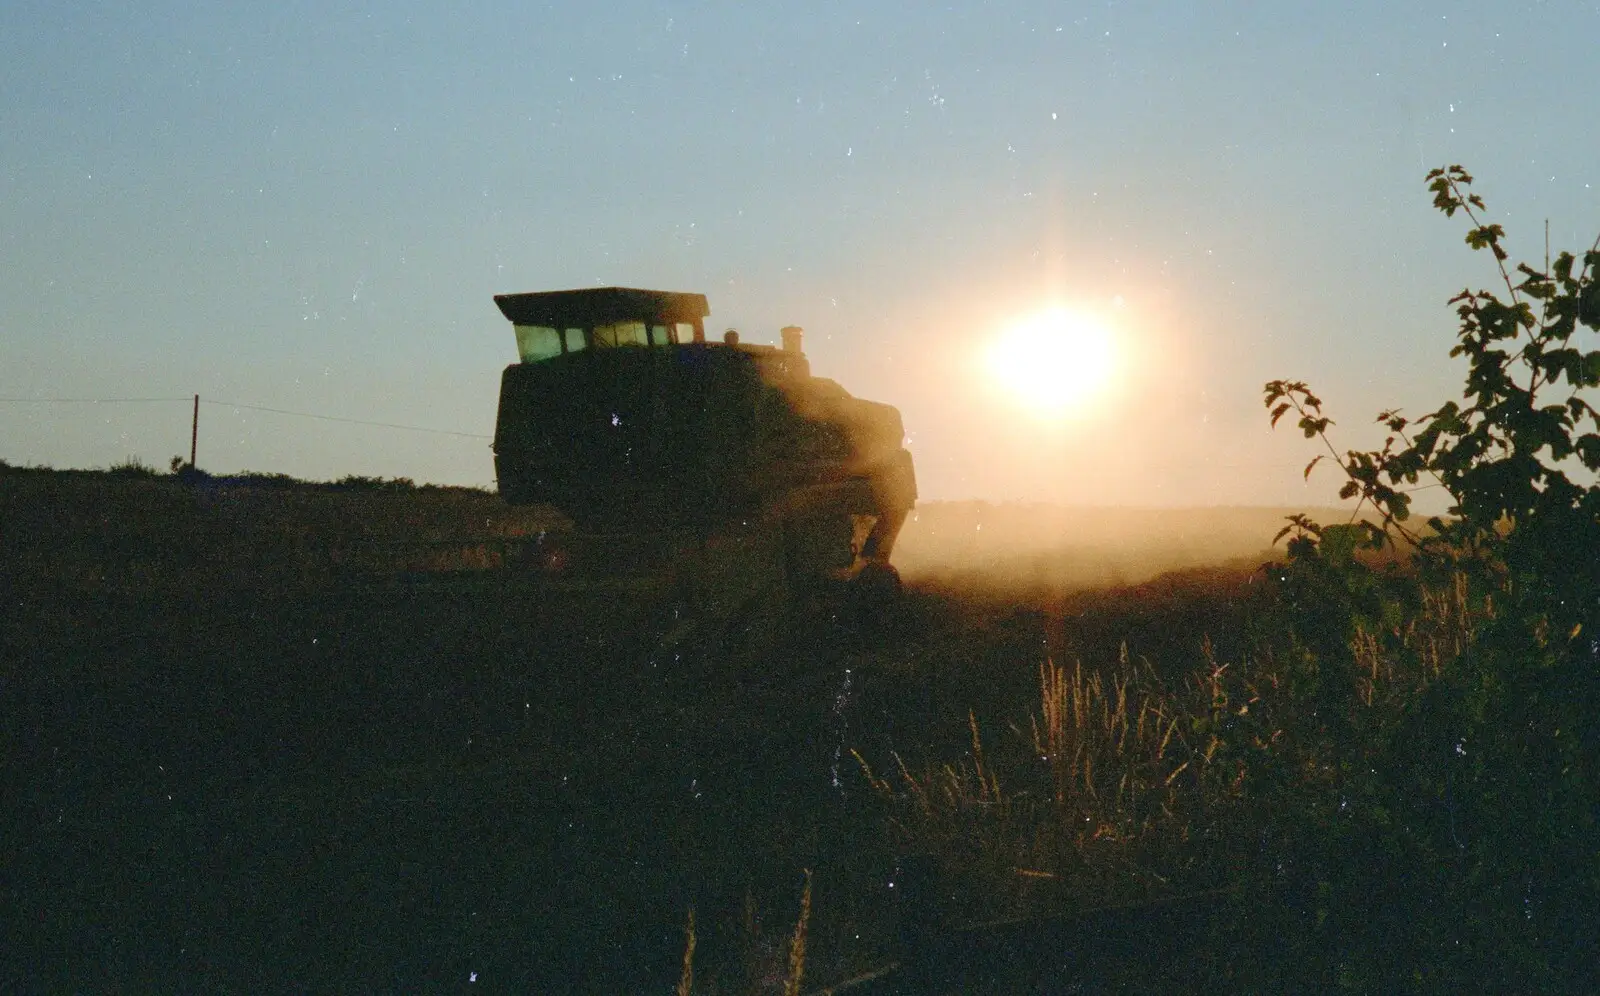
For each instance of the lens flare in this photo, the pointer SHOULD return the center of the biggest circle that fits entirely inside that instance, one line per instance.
(1055, 362)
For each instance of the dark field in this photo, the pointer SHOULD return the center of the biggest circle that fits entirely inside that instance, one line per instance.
(272, 738)
(242, 755)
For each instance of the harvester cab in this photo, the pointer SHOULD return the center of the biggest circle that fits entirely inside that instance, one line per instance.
(623, 415)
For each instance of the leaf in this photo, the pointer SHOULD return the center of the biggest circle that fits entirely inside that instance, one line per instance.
(1376, 538)
(1312, 426)
(1561, 362)
(1589, 305)
(1302, 548)
(1315, 460)
(1400, 506)
(1563, 267)
(1537, 285)
(1349, 490)
(1588, 449)
(1339, 543)
(1589, 369)
(1277, 413)
(1393, 420)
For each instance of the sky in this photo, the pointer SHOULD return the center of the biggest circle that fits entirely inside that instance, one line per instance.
(308, 207)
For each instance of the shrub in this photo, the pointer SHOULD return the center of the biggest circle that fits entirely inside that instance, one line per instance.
(1480, 785)
(132, 467)
(357, 482)
(257, 479)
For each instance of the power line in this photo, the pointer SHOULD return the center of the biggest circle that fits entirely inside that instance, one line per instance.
(85, 401)
(237, 404)
(336, 418)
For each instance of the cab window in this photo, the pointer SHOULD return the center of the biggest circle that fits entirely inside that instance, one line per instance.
(620, 334)
(537, 342)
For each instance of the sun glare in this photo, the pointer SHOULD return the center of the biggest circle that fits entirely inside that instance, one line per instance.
(1054, 362)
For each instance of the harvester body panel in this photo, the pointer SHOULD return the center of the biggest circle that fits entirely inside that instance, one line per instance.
(758, 476)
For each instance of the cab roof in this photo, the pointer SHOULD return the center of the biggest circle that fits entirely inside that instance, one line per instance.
(593, 306)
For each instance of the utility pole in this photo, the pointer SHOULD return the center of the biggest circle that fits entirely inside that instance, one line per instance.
(194, 431)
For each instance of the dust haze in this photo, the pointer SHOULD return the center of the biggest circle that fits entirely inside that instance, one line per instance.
(1024, 549)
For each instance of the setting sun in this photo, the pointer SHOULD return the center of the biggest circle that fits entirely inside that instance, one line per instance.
(1055, 361)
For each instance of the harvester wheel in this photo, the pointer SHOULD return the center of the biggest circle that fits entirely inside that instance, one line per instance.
(877, 584)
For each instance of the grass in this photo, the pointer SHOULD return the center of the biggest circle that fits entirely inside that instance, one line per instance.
(1298, 778)
(757, 977)
(797, 944)
(686, 980)
(1099, 801)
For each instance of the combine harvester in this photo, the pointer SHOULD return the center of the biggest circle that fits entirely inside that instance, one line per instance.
(718, 484)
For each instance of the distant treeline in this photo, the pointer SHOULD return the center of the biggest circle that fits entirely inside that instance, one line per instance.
(184, 473)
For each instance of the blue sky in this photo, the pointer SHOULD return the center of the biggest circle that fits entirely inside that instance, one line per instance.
(308, 206)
